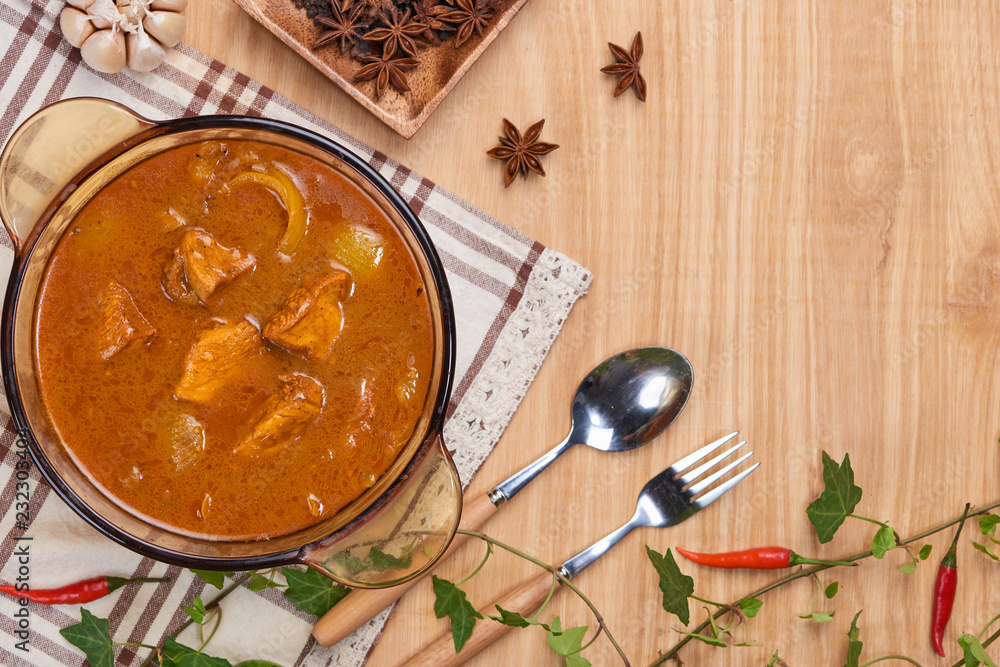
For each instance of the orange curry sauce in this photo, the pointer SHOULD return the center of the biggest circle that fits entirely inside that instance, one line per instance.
(158, 363)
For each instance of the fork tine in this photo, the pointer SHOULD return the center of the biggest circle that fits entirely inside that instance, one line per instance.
(707, 482)
(690, 459)
(714, 494)
(702, 469)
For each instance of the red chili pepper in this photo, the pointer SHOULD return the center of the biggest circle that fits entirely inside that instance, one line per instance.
(762, 558)
(944, 590)
(80, 592)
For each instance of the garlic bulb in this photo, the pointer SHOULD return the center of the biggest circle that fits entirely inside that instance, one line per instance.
(105, 51)
(76, 26)
(114, 33)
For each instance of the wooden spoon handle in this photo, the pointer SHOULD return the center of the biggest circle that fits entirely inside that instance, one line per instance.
(525, 599)
(360, 606)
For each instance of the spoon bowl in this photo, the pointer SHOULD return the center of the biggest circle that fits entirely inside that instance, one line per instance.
(625, 402)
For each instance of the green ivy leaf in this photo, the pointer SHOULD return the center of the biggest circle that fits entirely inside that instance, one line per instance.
(909, 567)
(92, 635)
(676, 586)
(988, 524)
(973, 652)
(376, 560)
(176, 654)
(717, 632)
(311, 592)
(382, 561)
(515, 620)
(775, 660)
(831, 591)
(259, 582)
(707, 639)
(986, 550)
(750, 606)
(968, 659)
(451, 601)
(568, 643)
(196, 611)
(884, 540)
(838, 499)
(819, 616)
(351, 563)
(854, 644)
(925, 551)
(217, 579)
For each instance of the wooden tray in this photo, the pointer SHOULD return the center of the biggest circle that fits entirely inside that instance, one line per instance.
(440, 66)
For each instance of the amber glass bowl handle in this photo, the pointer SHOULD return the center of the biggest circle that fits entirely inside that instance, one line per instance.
(49, 149)
(405, 536)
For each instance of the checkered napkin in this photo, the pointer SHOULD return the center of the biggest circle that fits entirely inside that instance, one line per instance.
(511, 297)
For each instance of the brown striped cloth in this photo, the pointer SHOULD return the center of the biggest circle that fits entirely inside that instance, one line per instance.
(511, 296)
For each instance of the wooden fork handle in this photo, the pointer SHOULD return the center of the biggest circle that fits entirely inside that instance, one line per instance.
(360, 606)
(525, 599)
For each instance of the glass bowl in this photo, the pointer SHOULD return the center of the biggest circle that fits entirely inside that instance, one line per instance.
(54, 163)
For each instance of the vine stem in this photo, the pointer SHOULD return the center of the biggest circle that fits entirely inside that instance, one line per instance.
(893, 657)
(714, 604)
(864, 518)
(237, 582)
(819, 568)
(602, 626)
(988, 624)
(489, 552)
(548, 597)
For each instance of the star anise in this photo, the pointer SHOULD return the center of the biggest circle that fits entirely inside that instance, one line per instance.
(398, 33)
(521, 152)
(346, 25)
(627, 68)
(429, 12)
(386, 70)
(470, 15)
(375, 7)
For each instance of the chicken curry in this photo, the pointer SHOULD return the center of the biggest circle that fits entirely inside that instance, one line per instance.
(233, 341)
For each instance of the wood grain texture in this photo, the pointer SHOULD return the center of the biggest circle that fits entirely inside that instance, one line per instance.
(807, 207)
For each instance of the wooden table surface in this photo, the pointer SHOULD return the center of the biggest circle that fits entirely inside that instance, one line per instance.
(807, 207)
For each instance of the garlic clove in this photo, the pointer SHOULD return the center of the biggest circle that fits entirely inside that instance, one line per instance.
(144, 53)
(80, 4)
(76, 26)
(165, 27)
(169, 5)
(104, 13)
(105, 51)
(132, 14)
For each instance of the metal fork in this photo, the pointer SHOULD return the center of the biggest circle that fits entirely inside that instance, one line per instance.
(674, 495)
(666, 500)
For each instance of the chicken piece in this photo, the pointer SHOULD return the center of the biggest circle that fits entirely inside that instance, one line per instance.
(200, 265)
(285, 417)
(311, 319)
(174, 283)
(215, 359)
(186, 436)
(122, 322)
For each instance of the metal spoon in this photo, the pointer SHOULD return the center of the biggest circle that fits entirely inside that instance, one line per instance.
(622, 404)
